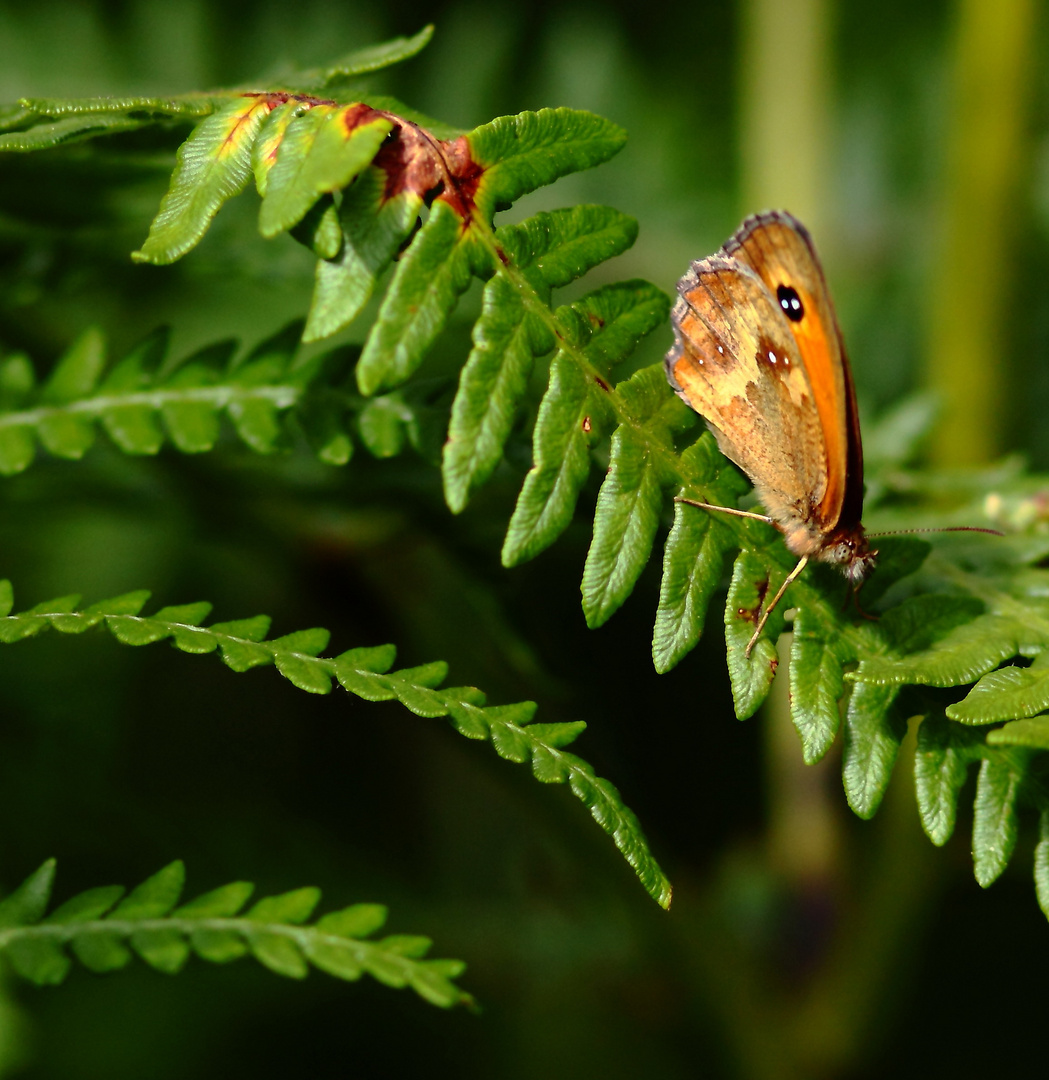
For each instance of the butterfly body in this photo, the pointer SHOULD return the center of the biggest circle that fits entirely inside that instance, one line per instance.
(759, 355)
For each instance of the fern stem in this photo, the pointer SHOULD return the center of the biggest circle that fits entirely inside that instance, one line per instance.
(221, 397)
(246, 928)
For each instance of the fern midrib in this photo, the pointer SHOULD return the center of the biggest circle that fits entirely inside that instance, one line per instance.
(281, 396)
(200, 103)
(243, 927)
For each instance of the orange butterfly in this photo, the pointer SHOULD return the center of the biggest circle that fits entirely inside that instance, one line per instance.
(758, 354)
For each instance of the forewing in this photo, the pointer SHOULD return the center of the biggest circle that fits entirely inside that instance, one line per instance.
(781, 252)
(737, 364)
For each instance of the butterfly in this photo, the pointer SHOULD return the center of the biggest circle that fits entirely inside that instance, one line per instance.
(759, 355)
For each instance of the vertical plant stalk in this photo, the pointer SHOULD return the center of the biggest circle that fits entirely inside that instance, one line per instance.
(968, 367)
(836, 1023)
(784, 115)
(804, 842)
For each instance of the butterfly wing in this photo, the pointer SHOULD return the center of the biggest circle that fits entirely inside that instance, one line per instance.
(737, 363)
(780, 251)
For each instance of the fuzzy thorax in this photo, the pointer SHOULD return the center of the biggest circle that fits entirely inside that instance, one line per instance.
(845, 548)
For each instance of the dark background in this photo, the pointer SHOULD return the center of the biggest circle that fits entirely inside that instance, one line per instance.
(802, 942)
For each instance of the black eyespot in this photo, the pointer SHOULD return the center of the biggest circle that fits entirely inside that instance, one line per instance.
(790, 302)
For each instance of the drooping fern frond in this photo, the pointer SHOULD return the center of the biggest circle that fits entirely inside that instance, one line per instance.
(268, 396)
(367, 674)
(102, 928)
(40, 124)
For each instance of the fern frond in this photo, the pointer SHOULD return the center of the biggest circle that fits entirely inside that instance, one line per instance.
(349, 178)
(42, 123)
(103, 927)
(366, 673)
(142, 401)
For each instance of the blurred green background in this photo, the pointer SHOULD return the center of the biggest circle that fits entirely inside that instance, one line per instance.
(912, 136)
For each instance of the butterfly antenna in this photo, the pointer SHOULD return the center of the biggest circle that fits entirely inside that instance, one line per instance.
(775, 600)
(946, 528)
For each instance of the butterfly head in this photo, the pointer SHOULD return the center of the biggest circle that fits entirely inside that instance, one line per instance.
(849, 550)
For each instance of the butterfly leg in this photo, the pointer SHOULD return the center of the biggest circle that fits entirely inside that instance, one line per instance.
(854, 596)
(725, 509)
(791, 577)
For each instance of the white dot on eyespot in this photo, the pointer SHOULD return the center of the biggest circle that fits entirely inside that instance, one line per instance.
(720, 349)
(772, 357)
